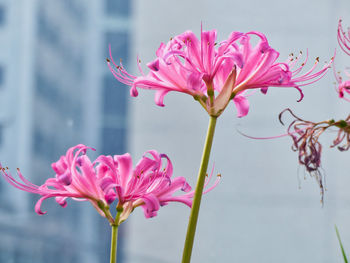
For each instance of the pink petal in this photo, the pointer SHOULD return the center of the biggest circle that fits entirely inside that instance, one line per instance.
(159, 97)
(124, 168)
(242, 105)
(224, 96)
(38, 205)
(151, 205)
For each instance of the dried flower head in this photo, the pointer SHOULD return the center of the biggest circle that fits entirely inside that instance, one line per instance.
(343, 134)
(306, 134)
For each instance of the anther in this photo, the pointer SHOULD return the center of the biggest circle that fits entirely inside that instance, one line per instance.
(108, 60)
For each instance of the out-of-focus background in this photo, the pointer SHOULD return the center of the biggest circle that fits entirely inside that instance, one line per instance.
(57, 91)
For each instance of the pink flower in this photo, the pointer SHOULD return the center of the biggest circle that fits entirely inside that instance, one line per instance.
(215, 73)
(149, 185)
(343, 87)
(343, 38)
(344, 43)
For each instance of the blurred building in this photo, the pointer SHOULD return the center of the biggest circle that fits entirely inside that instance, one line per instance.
(56, 93)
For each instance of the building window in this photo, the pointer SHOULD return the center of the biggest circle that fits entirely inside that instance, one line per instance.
(2, 76)
(47, 30)
(1, 134)
(113, 140)
(118, 7)
(115, 96)
(43, 145)
(2, 15)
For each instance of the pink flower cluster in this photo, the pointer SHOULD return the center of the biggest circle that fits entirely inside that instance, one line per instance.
(344, 43)
(343, 38)
(109, 178)
(215, 73)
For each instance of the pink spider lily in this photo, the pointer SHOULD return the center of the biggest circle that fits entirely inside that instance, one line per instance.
(108, 179)
(215, 73)
(343, 87)
(343, 38)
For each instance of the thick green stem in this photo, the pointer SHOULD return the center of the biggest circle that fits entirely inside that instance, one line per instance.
(192, 224)
(114, 238)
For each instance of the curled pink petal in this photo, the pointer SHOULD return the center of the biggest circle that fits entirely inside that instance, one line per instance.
(151, 205)
(242, 105)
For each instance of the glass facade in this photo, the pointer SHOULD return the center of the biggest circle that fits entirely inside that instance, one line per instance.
(2, 76)
(2, 15)
(118, 7)
(59, 114)
(115, 97)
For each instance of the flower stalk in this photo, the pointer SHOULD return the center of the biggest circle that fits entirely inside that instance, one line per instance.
(114, 235)
(114, 239)
(191, 229)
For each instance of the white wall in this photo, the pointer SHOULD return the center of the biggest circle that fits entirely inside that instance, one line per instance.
(257, 213)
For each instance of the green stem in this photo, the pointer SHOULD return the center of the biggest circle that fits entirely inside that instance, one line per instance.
(192, 224)
(114, 237)
(341, 245)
